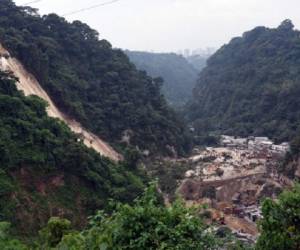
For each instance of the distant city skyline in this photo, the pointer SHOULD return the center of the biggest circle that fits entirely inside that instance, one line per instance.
(173, 25)
(199, 51)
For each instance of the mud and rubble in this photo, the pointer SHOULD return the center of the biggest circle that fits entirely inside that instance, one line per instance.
(234, 178)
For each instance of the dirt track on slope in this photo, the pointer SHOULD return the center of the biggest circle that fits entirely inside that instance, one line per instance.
(30, 86)
(239, 224)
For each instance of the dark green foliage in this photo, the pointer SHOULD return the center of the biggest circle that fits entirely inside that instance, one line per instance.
(179, 76)
(169, 175)
(280, 227)
(43, 165)
(251, 86)
(90, 81)
(207, 140)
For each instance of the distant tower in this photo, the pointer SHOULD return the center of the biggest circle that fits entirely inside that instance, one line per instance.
(186, 52)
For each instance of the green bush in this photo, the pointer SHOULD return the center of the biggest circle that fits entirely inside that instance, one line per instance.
(147, 224)
(280, 226)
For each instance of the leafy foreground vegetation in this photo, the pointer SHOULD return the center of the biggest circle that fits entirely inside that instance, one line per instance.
(251, 86)
(46, 171)
(179, 76)
(90, 81)
(147, 224)
(281, 224)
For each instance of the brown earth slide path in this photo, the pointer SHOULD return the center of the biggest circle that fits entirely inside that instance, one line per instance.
(30, 86)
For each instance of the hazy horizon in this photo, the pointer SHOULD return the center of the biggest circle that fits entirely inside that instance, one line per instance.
(173, 25)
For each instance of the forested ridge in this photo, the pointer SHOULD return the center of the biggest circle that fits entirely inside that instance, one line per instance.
(179, 76)
(251, 86)
(90, 81)
(45, 170)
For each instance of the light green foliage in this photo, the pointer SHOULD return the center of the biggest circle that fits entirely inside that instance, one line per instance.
(280, 227)
(53, 233)
(6, 241)
(147, 224)
(72, 241)
(150, 225)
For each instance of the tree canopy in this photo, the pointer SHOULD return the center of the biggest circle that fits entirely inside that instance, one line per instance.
(45, 170)
(280, 227)
(179, 76)
(90, 81)
(251, 86)
(147, 224)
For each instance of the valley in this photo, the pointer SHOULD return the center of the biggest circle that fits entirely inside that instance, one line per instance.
(108, 148)
(179, 76)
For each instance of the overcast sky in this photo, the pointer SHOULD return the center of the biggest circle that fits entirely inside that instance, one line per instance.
(172, 25)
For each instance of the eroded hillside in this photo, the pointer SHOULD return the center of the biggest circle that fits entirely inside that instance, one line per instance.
(92, 82)
(30, 86)
(45, 171)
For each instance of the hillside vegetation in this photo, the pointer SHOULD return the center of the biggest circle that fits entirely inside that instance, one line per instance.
(46, 171)
(147, 224)
(179, 77)
(90, 81)
(251, 86)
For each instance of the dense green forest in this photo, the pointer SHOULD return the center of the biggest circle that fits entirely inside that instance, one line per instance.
(251, 86)
(90, 81)
(46, 171)
(179, 77)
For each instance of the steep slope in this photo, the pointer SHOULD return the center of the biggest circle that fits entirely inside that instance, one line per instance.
(251, 86)
(198, 61)
(179, 76)
(46, 171)
(91, 82)
(30, 86)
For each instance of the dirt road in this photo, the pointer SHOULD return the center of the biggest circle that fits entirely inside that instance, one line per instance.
(239, 224)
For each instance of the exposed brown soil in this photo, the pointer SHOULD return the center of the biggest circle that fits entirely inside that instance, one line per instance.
(192, 189)
(241, 225)
(33, 210)
(30, 86)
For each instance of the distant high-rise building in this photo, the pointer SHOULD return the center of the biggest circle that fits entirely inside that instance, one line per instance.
(187, 52)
